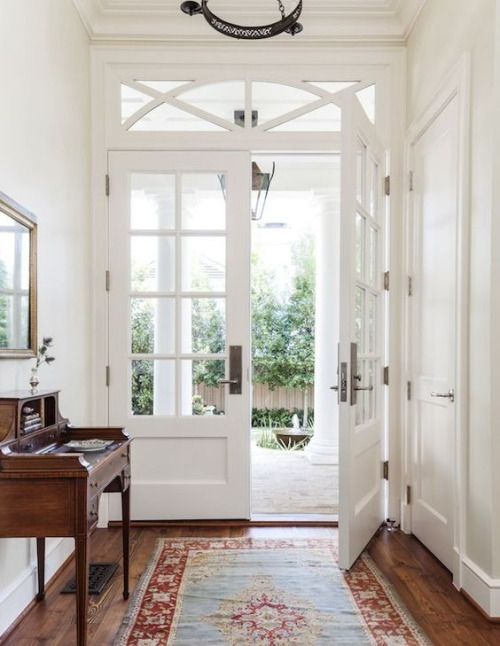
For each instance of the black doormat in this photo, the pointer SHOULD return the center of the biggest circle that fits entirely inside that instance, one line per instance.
(99, 576)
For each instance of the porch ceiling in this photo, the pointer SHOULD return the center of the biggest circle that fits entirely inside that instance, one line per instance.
(379, 21)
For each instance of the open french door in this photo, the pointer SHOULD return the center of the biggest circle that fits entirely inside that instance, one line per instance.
(361, 350)
(179, 336)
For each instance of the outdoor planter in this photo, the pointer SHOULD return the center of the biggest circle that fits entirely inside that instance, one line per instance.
(289, 437)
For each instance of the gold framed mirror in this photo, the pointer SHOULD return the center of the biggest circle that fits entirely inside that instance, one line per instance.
(18, 282)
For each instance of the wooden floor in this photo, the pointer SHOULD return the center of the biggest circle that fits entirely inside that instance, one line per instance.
(422, 583)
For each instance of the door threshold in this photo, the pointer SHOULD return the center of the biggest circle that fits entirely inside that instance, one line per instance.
(257, 520)
(283, 520)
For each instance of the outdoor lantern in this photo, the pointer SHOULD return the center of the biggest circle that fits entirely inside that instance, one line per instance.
(261, 183)
(288, 23)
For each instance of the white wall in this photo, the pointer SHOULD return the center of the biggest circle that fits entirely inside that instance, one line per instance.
(443, 32)
(495, 308)
(44, 165)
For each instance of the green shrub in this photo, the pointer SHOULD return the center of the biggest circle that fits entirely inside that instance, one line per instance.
(267, 439)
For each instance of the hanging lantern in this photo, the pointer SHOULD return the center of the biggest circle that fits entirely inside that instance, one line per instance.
(261, 183)
(288, 24)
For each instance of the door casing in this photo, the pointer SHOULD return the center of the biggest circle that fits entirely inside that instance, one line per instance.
(384, 66)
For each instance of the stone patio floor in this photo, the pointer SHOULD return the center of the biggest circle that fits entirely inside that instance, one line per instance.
(285, 482)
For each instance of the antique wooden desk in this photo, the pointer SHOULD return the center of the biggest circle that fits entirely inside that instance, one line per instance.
(48, 491)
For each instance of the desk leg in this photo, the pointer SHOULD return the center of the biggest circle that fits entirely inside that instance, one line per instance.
(40, 555)
(82, 587)
(126, 539)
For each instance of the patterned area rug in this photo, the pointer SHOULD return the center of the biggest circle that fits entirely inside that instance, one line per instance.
(239, 592)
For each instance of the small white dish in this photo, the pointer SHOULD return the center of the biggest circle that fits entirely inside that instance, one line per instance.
(88, 446)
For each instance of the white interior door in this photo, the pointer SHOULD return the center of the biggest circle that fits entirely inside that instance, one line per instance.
(179, 312)
(361, 397)
(434, 331)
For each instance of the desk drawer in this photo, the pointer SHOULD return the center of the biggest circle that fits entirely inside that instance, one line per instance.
(37, 507)
(106, 473)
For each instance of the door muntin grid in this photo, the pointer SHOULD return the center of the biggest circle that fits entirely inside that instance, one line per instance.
(177, 294)
(368, 301)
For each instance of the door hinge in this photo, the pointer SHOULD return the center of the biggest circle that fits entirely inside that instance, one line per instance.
(386, 470)
(408, 495)
(387, 185)
(108, 280)
(386, 375)
(387, 281)
(107, 375)
(410, 181)
(107, 185)
(410, 286)
(408, 391)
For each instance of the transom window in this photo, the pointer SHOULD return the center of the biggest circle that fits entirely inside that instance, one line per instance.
(229, 106)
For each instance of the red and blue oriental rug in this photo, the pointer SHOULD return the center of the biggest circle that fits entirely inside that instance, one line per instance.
(239, 592)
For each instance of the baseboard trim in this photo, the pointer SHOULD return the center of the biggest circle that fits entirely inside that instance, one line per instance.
(21, 593)
(481, 589)
(493, 620)
(263, 520)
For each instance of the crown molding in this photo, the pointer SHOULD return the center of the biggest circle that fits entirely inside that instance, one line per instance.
(343, 21)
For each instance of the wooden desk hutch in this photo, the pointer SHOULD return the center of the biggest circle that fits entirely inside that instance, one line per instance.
(48, 491)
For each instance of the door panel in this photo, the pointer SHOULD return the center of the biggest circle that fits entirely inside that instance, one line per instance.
(361, 332)
(179, 302)
(433, 308)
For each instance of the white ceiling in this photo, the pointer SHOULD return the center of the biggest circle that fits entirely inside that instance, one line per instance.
(385, 21)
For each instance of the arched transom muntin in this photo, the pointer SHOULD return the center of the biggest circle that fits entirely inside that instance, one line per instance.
(234, 105)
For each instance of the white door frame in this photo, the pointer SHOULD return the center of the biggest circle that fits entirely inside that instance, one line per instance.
(455, 85)
(279, 62)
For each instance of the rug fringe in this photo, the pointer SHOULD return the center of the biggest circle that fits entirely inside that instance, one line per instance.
(396, 600)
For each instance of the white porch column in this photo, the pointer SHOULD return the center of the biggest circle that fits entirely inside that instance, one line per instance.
(323, 448)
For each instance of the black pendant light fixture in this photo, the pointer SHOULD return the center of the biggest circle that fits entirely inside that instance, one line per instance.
(288, 23)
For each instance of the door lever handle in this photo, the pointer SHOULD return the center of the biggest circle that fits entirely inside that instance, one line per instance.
(369, 388)
(449, 395)
(335, 388)
(235, 371)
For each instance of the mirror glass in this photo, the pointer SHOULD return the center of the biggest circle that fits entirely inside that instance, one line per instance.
(17, 282)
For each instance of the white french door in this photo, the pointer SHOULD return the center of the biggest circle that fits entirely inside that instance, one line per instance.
(179, 312)
(361, 353)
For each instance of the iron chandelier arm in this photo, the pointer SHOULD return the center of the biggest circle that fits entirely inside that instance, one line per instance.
(287, 24)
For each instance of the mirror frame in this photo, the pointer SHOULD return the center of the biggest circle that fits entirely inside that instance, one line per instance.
(27, 219)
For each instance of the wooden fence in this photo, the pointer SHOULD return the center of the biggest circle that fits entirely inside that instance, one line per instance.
(263, 397)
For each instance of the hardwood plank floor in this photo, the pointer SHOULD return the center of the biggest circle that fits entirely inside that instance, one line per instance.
(426, 588)
(420, 580)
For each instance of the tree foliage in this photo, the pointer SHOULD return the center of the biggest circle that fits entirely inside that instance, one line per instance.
(142, 329)
(4, 340)
(208, 332)
(142, 324)
(283, 323)
(282, 332)
(283, 328)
